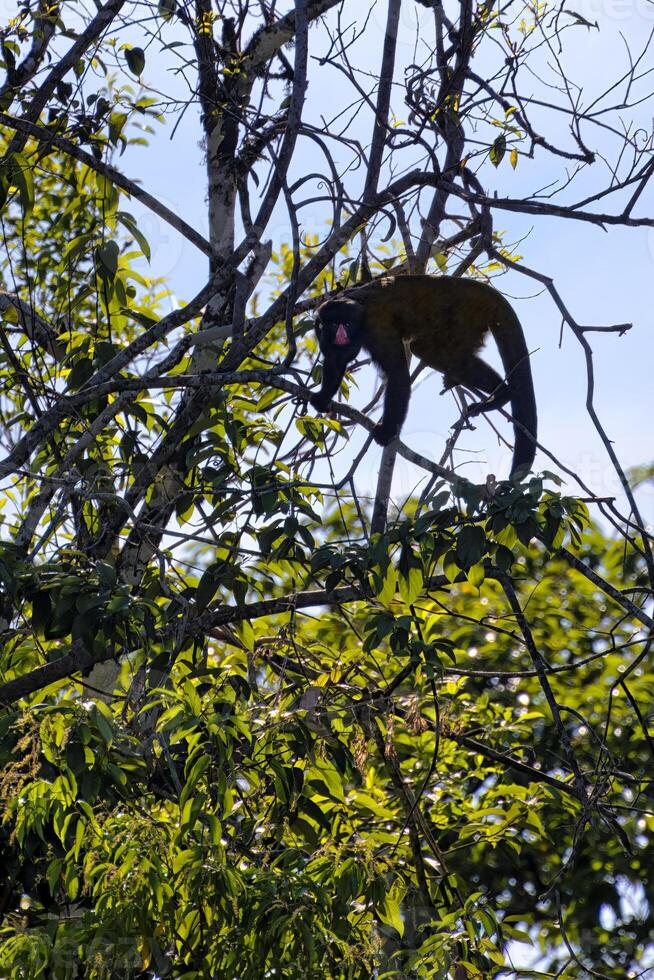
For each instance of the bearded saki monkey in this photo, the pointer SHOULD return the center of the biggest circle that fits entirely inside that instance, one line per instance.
(444, 321)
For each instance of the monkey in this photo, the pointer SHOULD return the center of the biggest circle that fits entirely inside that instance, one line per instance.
(444, 321)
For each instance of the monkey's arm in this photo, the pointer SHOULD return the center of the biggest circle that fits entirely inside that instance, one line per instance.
(396, 398)
(333, 372)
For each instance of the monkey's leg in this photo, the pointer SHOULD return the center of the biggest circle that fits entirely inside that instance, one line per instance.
(396, 399)
(333, 372)
(479, 376)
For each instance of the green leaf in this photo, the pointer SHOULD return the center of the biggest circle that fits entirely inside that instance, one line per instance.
(118, 603)
(389, 909)
(135, 58)
(386, 593)
(208, 586)
(199, 767)
(54, 873)
(497, 150)
(130, 223)
(107, 573)
(470, 545)
(80, 372)
(389, 913)
(23, 177)
(76, 246)
(451, 567)
(10, 315)
(410, 586)
(333, 783)
(503, 558)
(104, 727)
(246, 634)
(106, 256)
(117, 123)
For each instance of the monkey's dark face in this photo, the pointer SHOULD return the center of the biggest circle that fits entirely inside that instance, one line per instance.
(340, 328)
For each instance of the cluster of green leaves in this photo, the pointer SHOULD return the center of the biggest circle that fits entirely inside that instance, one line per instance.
(260, 828)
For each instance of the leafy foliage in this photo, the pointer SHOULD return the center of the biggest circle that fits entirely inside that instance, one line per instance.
(323, 752)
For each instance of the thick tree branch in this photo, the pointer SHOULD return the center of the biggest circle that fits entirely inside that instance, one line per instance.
(267, 41)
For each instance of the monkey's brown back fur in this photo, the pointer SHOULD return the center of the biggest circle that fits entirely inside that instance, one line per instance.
(445, 320)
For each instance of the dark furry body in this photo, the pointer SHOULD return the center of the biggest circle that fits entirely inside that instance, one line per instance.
(444, 322)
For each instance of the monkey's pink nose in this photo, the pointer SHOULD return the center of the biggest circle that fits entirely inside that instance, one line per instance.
(341, 337)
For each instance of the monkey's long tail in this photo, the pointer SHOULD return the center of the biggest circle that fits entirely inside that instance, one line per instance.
(512, 346)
